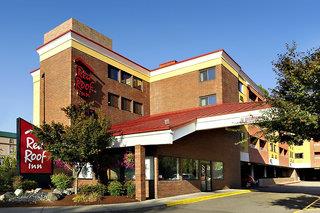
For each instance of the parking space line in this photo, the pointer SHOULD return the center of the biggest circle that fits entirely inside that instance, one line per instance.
(207, 197)
(308, 206)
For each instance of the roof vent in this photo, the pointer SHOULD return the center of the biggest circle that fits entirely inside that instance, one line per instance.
(167, 121)
(168, 63)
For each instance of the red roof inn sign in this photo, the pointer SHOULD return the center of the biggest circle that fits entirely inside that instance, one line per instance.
(32, 159)
(84, 84)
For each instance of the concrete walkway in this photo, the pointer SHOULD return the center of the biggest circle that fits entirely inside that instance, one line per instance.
(137, 206)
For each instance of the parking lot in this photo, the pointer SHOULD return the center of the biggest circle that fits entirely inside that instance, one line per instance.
(284, 198)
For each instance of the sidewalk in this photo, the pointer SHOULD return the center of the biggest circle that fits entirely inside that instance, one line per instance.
(137, 206)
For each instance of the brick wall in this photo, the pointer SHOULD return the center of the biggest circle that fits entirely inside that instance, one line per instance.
(80, 28)
(183, 91)
(230, 92)
(203, 145)
(55, 88)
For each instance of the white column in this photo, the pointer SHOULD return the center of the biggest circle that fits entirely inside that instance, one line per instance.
(252, 171)
(265, 172)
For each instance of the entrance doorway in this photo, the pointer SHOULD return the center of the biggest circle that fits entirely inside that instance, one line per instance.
(205, 176)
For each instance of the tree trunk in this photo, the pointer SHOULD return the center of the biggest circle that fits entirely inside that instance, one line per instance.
(76, 172)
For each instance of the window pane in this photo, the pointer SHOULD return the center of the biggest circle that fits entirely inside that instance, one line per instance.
(113, 100)
(211, 99)
(217, 169)
(125, 104)
(211, 73)
(240, 87)
(203, 75)
(203, 101)
(168, 168)
(125, 78)
(137, 83)
(137, 108)
(113, 72)
(189, 169)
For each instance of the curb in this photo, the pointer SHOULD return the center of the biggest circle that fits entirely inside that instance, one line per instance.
(203, 198)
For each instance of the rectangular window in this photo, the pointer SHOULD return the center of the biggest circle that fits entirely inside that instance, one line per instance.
(137, 83)
(285, 152)
(298, 155)
(113, 73)
(240, 87)
(126, 78)
(113, 100)
(126, 104)
(208, 74)
(169, 168)
(137, 108)
(217, 170)
(11, 149)
(189, 169)
(262, 144)
(208, 100)
(317, 155)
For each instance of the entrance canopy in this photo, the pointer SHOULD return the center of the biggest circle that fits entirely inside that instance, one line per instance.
(165, 128)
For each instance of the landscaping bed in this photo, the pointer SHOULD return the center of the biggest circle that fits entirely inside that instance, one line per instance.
(67, 201)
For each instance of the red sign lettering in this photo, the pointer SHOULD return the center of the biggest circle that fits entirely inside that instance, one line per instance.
(84, 83)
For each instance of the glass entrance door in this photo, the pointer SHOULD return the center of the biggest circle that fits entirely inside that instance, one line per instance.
(205, 176)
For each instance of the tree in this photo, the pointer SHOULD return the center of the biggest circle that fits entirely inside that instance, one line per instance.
(86, 140)
(294, 117)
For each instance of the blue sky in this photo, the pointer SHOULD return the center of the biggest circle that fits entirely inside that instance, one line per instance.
(151, 32)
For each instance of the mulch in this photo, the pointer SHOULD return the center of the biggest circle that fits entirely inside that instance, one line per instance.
(67, 201)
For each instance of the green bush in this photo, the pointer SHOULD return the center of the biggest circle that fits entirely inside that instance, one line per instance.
(115, 188)
(83, 198)
(8, 170)
(17, 182)
(130, 189)
(29, 185)
(61, 181)
(98, 188)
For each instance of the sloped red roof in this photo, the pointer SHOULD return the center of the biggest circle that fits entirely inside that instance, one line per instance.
(175, 119)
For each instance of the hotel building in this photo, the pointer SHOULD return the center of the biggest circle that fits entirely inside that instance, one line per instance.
(175, 118)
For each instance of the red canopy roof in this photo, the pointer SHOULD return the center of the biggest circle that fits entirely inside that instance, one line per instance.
(172, 120)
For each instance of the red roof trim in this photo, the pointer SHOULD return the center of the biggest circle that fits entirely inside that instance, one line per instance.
(94, 43)
(183, 117)
(32, 71)
(188, 59)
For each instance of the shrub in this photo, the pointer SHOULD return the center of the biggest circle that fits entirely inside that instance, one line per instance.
(17, 182)
(94, 197)
(82, 198)
(61, 181)
(99, 188)
(115, 188)
(8, 170)
(130, 189)
(28, 185)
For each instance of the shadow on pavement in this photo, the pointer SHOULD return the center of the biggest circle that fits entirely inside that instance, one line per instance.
(309, 190)
(295, 202)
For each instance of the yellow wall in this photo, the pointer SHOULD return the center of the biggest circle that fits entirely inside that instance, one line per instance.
(305, 149)
(36, 97)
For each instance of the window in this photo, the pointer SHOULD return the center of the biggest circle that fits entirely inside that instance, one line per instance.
(113, 100)
(298, 155)
(240, 87)
(241, 99)
(208, 74)
(285, 152)
(262, 144)
(317, 154)
(189, 169)
(113, 73)
(11, 149)
(252, 96)
(126, 78)
(137, 83)
(208, 100)
(168, 168)
(137, 108)
(217, 169)
(126, 104)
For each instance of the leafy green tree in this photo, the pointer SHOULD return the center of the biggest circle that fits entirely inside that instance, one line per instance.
(86, 140)
(8, 169)
(294, 117)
